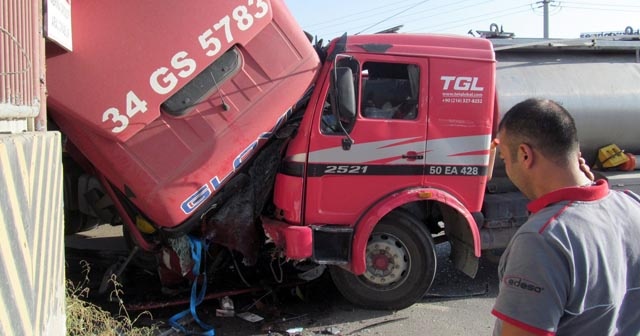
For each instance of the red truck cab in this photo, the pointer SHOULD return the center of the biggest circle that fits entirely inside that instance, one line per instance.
(166, 106)
(366, 189)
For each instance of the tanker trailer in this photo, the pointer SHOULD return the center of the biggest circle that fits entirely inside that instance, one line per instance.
(597, 81)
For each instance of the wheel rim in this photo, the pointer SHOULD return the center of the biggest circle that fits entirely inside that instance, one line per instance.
(388, 262)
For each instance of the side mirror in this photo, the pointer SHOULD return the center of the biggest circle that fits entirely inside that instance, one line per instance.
(345, 92)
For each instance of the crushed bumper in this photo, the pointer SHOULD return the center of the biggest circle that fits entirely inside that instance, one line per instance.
(296, 241)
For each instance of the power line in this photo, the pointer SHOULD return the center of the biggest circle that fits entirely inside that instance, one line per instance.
(481, 17)
(434, 9)
(440, 13)
(354, 24)
(480, 20)
(362, 13)
(599, 4)
(603, 9)
(413, 14)
(392, 16)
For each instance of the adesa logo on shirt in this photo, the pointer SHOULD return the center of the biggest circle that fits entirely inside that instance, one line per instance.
(520, 283)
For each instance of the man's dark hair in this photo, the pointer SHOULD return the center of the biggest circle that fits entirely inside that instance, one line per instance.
(543, 124)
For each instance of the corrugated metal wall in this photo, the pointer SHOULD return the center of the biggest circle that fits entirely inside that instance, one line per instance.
(19, 50)
(21, 55)
(32, 287)
(32, 298)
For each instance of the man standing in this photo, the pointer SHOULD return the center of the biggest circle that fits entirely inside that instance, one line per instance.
(574, 267)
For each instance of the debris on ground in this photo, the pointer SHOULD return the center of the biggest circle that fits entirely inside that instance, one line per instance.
(372, 325)
(250, 317)
(226, 307)
(330, 331)
(294, 331)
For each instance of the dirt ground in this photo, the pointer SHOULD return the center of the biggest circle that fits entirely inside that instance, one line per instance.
(455, 305)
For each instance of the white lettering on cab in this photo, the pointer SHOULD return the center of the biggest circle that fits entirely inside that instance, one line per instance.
(165, 79)
(461, 83)
(162, 80)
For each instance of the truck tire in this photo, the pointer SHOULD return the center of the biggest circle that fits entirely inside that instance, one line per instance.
(401, 265)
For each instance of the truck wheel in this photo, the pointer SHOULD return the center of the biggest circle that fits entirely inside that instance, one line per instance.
(401, 265)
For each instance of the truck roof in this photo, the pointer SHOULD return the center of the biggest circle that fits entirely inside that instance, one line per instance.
(424, 44)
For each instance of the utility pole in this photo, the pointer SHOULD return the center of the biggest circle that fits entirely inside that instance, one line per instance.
(545, 4)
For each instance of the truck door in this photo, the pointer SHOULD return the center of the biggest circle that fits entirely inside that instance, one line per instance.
(388, 134)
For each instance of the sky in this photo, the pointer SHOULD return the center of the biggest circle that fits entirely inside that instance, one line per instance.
(568, 19)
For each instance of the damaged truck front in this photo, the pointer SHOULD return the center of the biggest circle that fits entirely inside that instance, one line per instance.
(226, 130)
(162, 106)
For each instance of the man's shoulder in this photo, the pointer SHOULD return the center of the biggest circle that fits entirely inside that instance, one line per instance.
(626, 196)
(623, 204)
(539, 221)
(618, 204)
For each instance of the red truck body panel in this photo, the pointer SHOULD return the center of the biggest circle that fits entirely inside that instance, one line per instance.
(446, 146)
(107, 94)
(440, 152)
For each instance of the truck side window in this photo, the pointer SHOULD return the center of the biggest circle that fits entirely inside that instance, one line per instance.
(329, 122)
(390, 90)
(204, 84)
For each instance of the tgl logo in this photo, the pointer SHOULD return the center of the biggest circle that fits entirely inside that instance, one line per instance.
(461, 83)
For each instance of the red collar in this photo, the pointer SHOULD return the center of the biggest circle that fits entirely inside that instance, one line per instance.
(594, 192)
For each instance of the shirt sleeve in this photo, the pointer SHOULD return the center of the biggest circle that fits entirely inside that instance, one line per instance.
(534, 284)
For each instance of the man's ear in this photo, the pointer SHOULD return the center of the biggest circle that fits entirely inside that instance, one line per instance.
(526, 154)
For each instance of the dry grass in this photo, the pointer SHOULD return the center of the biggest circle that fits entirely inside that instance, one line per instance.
(85, 318)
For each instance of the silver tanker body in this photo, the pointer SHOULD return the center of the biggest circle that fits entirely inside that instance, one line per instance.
(599, 85)
(598, 82)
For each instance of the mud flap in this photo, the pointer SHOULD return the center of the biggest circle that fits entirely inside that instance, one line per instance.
(461, 239)
(463, 258)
